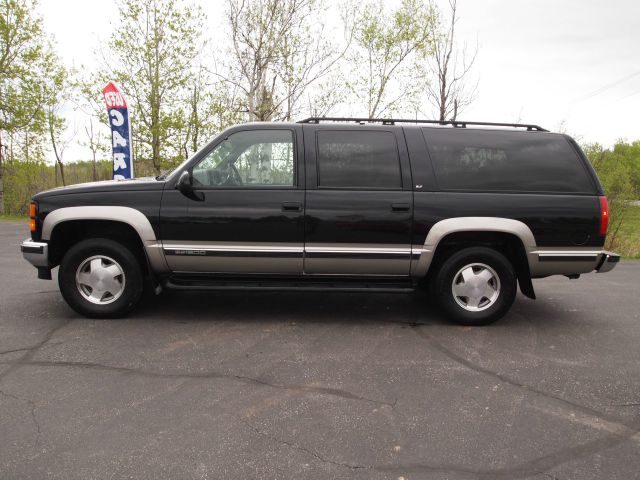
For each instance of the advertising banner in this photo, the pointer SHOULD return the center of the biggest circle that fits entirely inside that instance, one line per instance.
(120, 132)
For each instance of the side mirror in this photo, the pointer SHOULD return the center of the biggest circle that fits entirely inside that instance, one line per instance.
(186, 187)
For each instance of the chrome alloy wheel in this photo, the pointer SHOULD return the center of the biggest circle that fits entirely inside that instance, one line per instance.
(100, 280)
(476, 287)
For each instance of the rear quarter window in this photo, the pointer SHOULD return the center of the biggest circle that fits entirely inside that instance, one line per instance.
(492, 160)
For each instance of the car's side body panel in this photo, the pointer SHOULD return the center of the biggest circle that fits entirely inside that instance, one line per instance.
(112, 213)
(557, 221)
(229, 230)
(355, 231)
(143, 196)
(554, 220)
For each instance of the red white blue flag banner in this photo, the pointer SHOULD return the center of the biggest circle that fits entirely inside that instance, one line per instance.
(120, 132)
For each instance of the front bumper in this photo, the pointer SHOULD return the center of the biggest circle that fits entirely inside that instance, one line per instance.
(607, 262)
(36, 253)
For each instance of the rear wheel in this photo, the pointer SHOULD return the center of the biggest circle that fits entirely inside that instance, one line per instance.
(100, 278)
(475, 286)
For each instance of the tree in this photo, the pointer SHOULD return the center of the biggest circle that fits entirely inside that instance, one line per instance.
(388, 45)
(56, 126)
(279, 50)
(617, 170)
(57, 98)
(151, 54)
(27, 65)
(25, 60)
(95, 144)
(211, 107)
(450, 66)
(630, 153)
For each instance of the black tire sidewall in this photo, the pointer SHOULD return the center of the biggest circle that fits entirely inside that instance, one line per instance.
(487, 256)
(134, 284)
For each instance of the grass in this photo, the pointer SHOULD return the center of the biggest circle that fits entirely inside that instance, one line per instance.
(627, 242)
(13, 218)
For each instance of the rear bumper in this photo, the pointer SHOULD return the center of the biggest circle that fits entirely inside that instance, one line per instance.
(36, 253)
(607, 262)
(544, 262)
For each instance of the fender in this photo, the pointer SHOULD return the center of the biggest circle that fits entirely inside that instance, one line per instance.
(423, 254)
(132, 217)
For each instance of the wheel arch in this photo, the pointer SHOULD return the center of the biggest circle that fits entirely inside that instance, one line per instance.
(65, 226)
(130, 216)
(446, 236)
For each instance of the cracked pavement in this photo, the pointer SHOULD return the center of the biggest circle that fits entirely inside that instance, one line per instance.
(195, 385)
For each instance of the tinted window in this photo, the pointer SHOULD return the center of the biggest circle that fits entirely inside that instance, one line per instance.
(358, 159)
(250, 158)
(505, 161)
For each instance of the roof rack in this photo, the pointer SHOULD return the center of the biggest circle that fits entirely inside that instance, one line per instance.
(393, 121)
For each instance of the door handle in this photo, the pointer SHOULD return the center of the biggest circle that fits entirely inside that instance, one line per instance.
(291, 207)
(400, 207)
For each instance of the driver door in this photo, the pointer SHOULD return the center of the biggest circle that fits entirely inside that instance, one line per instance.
(250, 216)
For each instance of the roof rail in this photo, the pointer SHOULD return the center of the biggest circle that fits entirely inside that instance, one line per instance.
(393, 121)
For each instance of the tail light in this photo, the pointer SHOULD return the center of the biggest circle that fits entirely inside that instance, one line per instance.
(33, 211)
(604, 216)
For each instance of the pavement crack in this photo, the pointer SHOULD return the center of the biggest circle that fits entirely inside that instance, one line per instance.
(510, 381)
(540, 465)
(537, 466)
(23, 349)
(305, 389)
(32, 404)
(299, 447)
(31, 351)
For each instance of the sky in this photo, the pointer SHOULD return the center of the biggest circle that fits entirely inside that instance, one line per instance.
(567, 65)
(570, 65)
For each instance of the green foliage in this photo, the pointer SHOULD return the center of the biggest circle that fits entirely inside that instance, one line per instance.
(30, 82)
(151, 56)
(23, 179)
(29, 69)
(22, 54)
(629, 233)
(389, 46)
(619, 171)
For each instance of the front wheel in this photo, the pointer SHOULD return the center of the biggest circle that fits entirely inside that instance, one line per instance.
(476, 286)
(100, 278)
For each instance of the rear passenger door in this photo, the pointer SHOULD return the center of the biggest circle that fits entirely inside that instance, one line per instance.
(358, 202)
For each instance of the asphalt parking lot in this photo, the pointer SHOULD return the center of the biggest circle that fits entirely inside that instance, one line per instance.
(195, 385)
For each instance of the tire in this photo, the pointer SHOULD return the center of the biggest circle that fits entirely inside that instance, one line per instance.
(100, 278)
(490, 289)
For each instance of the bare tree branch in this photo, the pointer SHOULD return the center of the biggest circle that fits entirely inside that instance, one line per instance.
(451, 92)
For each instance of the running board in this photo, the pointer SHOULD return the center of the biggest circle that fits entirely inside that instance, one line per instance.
(376, 286)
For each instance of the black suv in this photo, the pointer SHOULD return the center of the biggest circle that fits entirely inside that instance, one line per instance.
(467, 209)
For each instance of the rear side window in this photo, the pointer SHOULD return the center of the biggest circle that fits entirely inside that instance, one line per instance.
(506, 161)
(358, 159)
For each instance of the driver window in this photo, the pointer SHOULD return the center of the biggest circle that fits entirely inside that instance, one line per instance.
(249, 158)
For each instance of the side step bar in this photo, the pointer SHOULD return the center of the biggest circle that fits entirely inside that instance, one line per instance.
(312, 285)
